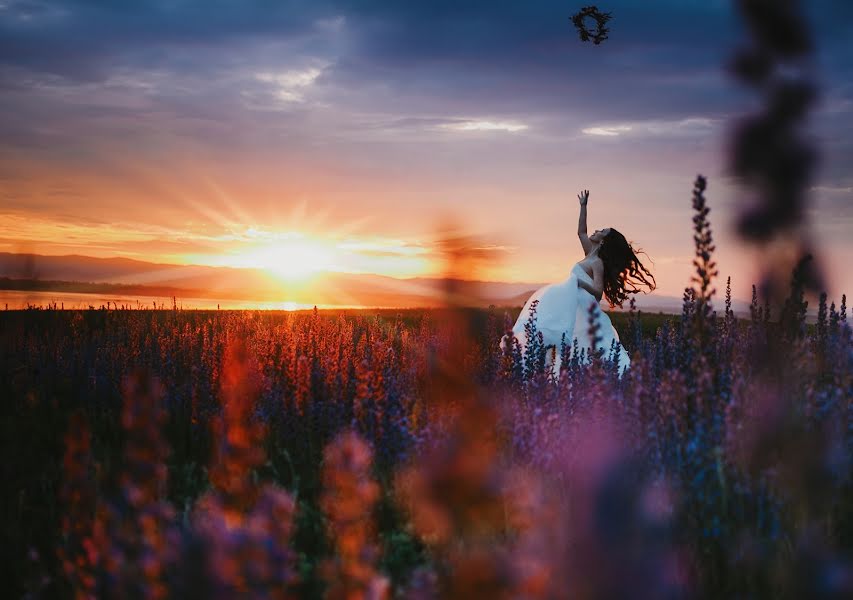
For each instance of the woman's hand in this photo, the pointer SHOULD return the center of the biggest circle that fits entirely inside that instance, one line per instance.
(583, 197)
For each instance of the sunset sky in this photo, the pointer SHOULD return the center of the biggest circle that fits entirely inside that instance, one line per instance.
(248, 132)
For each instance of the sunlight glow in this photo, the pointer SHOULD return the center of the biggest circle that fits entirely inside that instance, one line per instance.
(293, 258)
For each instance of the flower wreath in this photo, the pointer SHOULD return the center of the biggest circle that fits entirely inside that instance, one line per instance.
(601, 20)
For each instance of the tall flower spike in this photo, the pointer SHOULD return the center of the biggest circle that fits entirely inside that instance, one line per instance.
(77, 553)
(238, 437)
(348, 499)
(769, 152)
(135, 536)
(706, 268)
(246, 527)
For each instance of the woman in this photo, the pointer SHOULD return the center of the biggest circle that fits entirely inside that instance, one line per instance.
(609, 268)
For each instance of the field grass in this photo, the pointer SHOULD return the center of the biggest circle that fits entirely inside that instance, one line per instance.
(206, 445)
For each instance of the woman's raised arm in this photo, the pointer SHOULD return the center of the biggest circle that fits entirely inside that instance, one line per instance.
(583, 197)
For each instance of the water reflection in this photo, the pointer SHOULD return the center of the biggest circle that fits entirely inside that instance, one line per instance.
(16, 300)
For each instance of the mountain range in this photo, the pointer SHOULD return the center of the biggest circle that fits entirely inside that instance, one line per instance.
(75, 273)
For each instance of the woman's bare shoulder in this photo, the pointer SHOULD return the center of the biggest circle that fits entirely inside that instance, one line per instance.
(591, 259)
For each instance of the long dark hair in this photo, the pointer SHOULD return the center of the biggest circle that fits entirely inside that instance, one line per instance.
(623, 271)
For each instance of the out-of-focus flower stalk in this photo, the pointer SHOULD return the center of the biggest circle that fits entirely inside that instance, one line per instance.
(348, 500)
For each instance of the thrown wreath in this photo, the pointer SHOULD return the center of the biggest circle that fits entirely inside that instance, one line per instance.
(600, 19)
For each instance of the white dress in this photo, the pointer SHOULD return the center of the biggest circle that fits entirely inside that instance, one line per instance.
(564, 308)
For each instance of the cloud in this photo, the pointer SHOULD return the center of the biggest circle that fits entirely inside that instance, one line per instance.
(485, 125)
(500, 56)
(832, 205)
(610, 131)
(832, 189)
(333, 24)
(689, 126)
(29, 12)
(291, 85)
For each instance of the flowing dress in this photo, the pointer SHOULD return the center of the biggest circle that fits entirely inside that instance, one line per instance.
(564, 308)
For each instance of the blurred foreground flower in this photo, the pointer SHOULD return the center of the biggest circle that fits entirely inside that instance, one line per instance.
(348, 499)
(78, 553)
(245, 528)
(135, 535)
(769, 151)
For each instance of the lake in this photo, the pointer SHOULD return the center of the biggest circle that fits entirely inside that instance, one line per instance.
(16, 300)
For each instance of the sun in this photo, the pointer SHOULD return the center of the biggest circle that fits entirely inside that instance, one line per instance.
(292, 259)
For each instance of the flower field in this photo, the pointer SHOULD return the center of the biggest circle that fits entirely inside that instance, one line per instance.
(158, 454)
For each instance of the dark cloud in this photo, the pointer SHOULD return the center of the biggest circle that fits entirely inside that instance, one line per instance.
(663, 58)
(85, 39)
(82, 77)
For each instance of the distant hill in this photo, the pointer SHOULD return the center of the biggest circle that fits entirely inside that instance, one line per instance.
(86, 274)
(127, 276)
